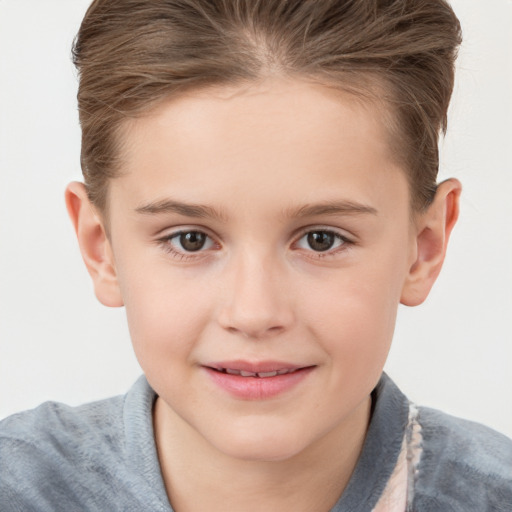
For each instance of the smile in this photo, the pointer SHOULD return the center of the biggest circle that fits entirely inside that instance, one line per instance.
(256, 381)
(261, 375)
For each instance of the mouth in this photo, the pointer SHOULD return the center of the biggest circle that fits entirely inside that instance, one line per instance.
(258, 375)
(257, 381)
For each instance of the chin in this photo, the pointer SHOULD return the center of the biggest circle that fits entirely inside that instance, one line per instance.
(264, 445)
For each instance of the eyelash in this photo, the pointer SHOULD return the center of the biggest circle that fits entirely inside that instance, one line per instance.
(165, 243)
(344, 242)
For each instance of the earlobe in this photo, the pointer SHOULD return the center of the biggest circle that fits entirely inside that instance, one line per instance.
(432, 234)
(94, 245)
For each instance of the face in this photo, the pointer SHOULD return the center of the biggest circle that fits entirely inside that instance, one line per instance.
(261, 239)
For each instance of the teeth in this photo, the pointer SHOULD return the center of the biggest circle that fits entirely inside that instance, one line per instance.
(232, 372)
(267, 374)
(247, 374)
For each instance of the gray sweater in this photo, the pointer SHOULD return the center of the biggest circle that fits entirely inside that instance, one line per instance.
(102, 457)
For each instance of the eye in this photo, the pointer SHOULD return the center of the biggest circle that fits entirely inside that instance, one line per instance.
(321, 240)
(188, 241)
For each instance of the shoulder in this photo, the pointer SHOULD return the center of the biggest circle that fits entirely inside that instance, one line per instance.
(463, 466)
(53, 444)
(53, 421)
(55, 427)
(57, 457)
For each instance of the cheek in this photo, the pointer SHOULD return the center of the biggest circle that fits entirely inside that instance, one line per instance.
(353, 315)
(166, 315)
(358, 327)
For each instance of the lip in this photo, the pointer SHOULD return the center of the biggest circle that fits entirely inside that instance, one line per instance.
(256, 387)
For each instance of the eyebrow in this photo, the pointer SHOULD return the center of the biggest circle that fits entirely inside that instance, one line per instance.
(332, 208)
(185, 209)
(202, 211)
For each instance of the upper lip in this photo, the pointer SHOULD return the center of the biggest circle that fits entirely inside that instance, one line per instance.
(255, 366)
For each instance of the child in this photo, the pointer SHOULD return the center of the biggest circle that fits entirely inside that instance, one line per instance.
(260, 194)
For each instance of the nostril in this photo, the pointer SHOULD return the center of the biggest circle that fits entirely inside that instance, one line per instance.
(255, 333)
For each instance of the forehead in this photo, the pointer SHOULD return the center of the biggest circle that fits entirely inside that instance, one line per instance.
(281, 139)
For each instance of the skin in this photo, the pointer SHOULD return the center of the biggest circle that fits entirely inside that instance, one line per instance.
(264, 160)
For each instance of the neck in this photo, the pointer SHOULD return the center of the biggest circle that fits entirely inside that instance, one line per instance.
(197, 476)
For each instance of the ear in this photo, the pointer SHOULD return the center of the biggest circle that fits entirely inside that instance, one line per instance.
(433, 229)
(94, 245)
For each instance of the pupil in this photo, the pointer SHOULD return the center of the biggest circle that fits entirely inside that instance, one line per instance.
(320, 240)
(192, 241)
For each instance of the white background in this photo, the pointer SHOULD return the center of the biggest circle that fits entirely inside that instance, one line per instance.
(56, 342)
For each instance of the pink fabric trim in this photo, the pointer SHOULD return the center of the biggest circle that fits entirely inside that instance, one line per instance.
(399, 492)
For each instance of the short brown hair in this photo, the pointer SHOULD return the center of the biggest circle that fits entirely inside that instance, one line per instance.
(132, 54)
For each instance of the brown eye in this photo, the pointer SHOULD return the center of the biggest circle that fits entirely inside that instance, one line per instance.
(192, 241)
(321, 240)
(187, 244)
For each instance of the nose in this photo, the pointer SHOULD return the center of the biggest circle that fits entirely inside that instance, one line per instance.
(257, 303)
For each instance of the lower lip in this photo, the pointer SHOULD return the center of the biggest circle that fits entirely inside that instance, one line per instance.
(258, 388)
